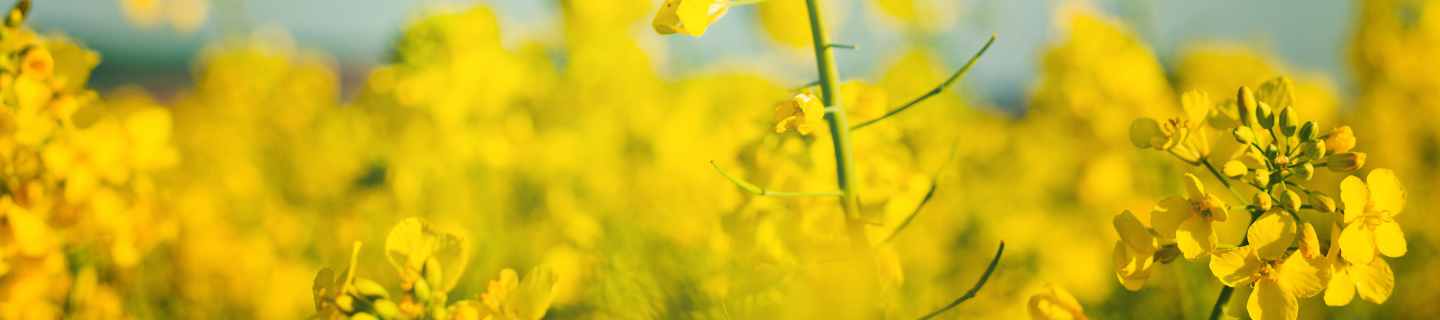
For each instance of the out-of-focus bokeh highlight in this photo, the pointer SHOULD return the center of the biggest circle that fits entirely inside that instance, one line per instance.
(204, 159)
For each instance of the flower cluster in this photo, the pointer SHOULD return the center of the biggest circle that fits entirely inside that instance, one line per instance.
(1281, 256)
(432, 263)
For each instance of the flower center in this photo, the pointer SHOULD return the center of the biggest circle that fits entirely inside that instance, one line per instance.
(1198, 207)
(1269, 271)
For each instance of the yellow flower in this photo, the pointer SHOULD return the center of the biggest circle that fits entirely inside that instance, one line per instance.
(799, 113)
(38, 63)
(1054, 303)
(1374, 281)
(1279, 281)
(1135, 252)
(1189, 220)
(1341, 140)
(511, 298)
(1370, 210)
(688, 16)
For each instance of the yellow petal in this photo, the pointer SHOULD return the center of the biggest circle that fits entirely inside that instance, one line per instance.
(1133, 232)
(1271, 300)
(1235, 267)
(1143, 131)
(1196, 105)
(30, 232)
(1374, 281)
(1389, 239)
(1272, 234)
(696, 15)
(1168, 215)
(1355, 195)
(1218, 211)
(666, 20)
(1196, 238)
(1340, 290)
(1334, 253)
(1193, 187)
(1133, 283)
(1357, 243)
(1386, 191)
(1305, 277)
(1122, 259)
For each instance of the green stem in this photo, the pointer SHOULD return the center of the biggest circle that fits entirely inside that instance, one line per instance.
(937, 90)
(762, 191)
(844, 161)
(1222, 178)
(971, 294)
(844, 46)
(934, 182)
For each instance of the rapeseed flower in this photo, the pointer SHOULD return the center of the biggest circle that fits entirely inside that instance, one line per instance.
(690, 17)
(1189, 220)
(1135, 252)
(800, 114)
(1279, 281)
(1370, 210)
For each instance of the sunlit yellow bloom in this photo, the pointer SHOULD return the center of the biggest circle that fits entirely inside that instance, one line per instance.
(510, 298)
(690, 17)
(800, 114)
(1374, 281)
(1135, 252)
(1054, 303)
(1370, 210)
(1279, 281)
(1341, 140)
(1190, 220)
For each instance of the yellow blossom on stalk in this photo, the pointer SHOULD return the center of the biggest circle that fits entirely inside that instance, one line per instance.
(1374, 281)
(1370, 210)
(1135, 252)
(1190, 220)
(1054, 303)
(800, 114)
(510, 298)
(1341, 140)
(690, 17)
(1279, 281)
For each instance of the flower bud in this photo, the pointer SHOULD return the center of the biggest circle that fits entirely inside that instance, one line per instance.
(1346, 162)
(1289, 200)
(433, 274)
(1263, 202)
(1309, 131)
(1244, 135)
(421, 291)
(1262, 176)
(1340, 140)
(1309, 242)
(1289, 122)
(1265, 115)
(1245, 100)
(346, 303)
(1304, 171)
(1315, 149)
(370, 289)
(1271, 151)
(1235, 169)
(387, 309)
(1322, 203)
(363, 316)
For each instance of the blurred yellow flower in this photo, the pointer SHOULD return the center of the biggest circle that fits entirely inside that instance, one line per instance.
(1189, 221)
(800, 114)
(690, 17)
(1054, 303)
(1279, 281)
(1340, 140)
(1374, 281)
(510, 298)
(1370, 210)
(1135, 252)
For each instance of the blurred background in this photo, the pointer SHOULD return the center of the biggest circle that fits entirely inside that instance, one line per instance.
(221, 152)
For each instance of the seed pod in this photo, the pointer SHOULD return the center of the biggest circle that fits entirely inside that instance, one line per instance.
(1263, 202)
(370, 289)
(1309, 131)
(1322, 203)
(1289, 122)
(1244, 135)
(1245, 100)
(1346, 162)
(387, 309)
(1290, 200)
(1235, 169)
(1265, 115)
(1304, 171)
(1309, 242)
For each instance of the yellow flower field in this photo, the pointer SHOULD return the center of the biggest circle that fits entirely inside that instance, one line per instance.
(469, 177)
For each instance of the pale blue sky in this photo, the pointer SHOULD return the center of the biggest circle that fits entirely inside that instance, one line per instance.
(1309, 35)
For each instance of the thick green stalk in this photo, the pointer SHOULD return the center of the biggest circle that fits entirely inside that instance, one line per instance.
(863, 260)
